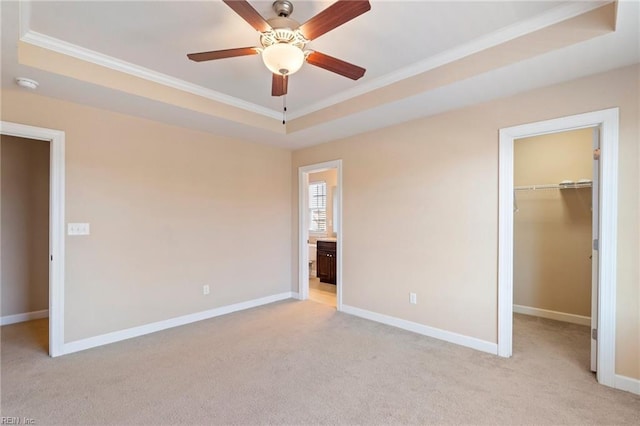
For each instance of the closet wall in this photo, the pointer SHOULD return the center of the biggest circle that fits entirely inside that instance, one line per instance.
(552, 228)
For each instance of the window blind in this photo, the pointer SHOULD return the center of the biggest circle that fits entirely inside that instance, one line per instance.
(318, 207)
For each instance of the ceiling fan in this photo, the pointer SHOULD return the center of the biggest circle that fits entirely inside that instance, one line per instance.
(283, 40)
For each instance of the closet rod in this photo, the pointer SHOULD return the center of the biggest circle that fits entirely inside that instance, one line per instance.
(571, 185)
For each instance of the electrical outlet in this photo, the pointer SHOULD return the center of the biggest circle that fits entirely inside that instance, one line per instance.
(205, 289)
(413, 299)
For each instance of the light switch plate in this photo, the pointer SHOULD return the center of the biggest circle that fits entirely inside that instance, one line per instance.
(78, 229)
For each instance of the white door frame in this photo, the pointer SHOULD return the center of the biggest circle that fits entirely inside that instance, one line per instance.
(607, 120)
(303, 231)
(56, 225)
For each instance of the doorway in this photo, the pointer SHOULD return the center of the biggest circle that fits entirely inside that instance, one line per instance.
(322, 236)
(607, 122)
(56, 141)
(320, 233)
(24, 277)
(555, 210)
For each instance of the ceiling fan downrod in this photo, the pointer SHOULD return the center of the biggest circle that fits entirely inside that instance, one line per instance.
(282, 8)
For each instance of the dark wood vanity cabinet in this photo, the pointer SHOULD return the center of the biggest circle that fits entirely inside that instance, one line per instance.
(326, 258)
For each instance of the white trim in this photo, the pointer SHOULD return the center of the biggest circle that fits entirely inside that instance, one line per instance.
(303, 232)
(69, 49)
(56, 224)
(448, 336)
(503, 35)
(27, 316)
(117, 336)
(505, 246)
(340, 282)
(554, 315)
(627, 384)
(608, 122)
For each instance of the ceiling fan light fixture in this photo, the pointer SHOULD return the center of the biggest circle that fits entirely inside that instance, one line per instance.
(283, 40)
(283, 58)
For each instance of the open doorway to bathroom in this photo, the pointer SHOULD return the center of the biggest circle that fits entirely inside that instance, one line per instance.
(322, 236)
(320, 233)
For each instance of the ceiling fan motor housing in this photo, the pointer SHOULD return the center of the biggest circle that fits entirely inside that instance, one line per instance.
(283, 34)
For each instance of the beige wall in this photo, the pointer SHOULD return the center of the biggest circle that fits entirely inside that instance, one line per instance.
(170, 210)
(24, 280)
(429, 189)
(552, 228)
(330, 177)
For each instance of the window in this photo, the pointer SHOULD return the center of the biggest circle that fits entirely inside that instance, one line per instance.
(318, 207)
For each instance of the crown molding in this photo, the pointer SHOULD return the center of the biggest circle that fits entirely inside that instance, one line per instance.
(69, 49)
(508, 33)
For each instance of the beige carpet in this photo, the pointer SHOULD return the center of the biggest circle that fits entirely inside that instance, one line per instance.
(302, 363)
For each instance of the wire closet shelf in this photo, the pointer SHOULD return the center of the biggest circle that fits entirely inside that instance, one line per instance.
(561, 185)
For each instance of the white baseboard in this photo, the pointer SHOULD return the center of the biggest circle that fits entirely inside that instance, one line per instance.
(27, 316)
(448, 336)
(554, 315)
(116, 336)
(627, 384)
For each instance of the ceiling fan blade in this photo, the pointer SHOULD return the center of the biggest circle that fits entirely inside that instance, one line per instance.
(249, 14)
(332, 17)
(221, 54)
(336, 65)
(279, 84)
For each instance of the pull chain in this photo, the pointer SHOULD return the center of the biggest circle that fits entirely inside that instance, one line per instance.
(284, 109)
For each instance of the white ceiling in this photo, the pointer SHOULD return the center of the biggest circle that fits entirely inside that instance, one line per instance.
(394, 40)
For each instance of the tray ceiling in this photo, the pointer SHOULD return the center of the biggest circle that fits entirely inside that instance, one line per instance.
(402, 45)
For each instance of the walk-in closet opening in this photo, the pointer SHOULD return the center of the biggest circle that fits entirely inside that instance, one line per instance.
(554, 270)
